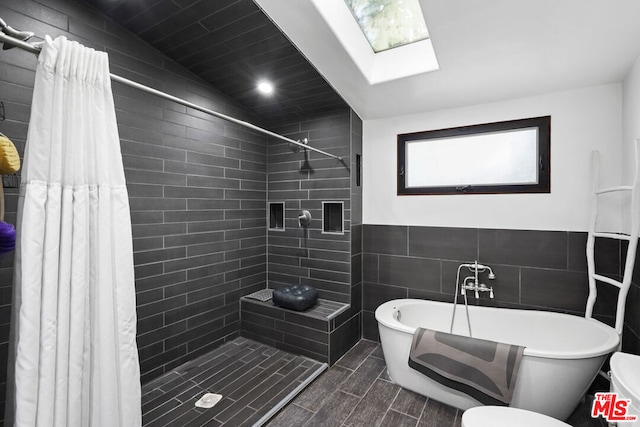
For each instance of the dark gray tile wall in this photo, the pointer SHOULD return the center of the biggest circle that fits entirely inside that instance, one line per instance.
(197, 188)
(198, 192)
(303, 180)
(544, 270)
(332, 263)
(356, 222)
(321, 338)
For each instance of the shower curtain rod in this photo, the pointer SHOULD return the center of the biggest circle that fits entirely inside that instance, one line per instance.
(34, 48)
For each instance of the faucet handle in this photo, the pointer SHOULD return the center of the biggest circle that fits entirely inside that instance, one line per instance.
(491, 292)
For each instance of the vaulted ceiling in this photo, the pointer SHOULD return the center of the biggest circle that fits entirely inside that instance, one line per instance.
(231, 44)
(487, 51)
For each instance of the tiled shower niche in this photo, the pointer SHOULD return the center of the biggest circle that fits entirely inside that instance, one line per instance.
(333, 217)
(276, 216)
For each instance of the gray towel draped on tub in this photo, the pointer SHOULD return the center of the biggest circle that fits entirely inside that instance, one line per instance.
(484, 370)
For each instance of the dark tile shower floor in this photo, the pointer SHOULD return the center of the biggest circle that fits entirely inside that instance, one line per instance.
(356, 391)
(252, 378)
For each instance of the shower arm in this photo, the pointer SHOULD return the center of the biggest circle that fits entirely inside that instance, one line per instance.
(36, 48)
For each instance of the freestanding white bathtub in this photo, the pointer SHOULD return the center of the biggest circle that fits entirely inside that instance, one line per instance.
(563, 353)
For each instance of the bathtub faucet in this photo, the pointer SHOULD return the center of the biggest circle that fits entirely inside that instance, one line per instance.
(471, 283)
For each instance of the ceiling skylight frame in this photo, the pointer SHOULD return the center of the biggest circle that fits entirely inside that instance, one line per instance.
(391, 64)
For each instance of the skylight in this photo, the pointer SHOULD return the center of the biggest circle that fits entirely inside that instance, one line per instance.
(402, 61)
(389, 23)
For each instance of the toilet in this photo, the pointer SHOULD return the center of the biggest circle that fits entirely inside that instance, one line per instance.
(625, 380)
(504, 416)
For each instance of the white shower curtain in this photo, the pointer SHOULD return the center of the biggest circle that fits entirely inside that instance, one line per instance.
(73, 350)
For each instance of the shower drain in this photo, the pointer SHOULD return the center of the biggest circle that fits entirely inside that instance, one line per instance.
(208, 400)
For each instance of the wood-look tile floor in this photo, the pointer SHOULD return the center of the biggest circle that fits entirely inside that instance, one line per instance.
(251, 377)
(356, 391)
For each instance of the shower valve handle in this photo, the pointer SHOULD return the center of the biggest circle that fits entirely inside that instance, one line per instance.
(304, 218)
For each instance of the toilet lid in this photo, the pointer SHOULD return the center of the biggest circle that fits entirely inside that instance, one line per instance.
(503, 416)
(625, 376)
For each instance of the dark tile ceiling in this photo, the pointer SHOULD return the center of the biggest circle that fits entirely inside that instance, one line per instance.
(230, 44)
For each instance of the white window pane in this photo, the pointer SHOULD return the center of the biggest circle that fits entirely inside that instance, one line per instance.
(501, 158)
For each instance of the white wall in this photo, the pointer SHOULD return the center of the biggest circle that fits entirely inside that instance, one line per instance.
(630, 118)
(581, 121)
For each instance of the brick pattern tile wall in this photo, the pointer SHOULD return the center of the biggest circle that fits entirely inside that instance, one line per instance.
(197, 188)
(332, 263)
(303, 180)
(356, 218)
(321, 338)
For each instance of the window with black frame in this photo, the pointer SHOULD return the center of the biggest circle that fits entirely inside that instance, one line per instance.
(502, 157)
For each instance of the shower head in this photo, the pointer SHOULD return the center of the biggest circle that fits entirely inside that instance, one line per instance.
(491, 275)
(482, 267)
(478, 268)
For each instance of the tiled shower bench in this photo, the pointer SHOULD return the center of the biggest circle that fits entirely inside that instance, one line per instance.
(324, 332)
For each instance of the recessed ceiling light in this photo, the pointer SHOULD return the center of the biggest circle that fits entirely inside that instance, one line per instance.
(265, 87)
